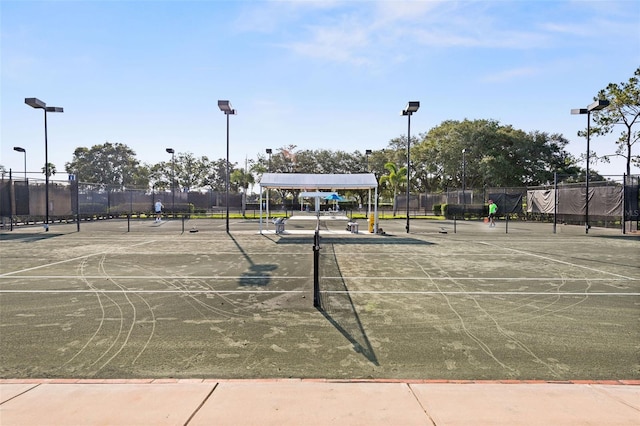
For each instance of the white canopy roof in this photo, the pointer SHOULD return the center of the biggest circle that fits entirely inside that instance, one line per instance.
(315, 194)
(316, 182)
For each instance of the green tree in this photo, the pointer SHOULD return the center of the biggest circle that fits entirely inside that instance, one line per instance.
(160, 176)
(191, 172)
(393, 181)
(216, 174)
(109, 164)
(624, 111)
(242, 178)
(285, 160)
(495, 155)
(52, 169)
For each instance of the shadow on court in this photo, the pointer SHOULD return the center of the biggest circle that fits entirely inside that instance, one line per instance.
(348, 240)
(620, 237)
(29, 238)
(337, 306)
(257, 275)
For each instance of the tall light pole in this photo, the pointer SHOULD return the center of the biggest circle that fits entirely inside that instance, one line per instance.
(173, 179)
(367, 153)
(411, 107)
(464, 179)
(225, 107)
(596, 106)
(269, 151)
(24, 151)
(37, 103)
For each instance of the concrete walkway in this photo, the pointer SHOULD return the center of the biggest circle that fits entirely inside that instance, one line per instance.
(316, 402)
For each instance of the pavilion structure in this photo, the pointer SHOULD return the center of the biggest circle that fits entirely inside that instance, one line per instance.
(317, 186)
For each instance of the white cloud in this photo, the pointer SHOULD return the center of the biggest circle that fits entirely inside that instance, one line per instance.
(510, 74)
(270, 16)
(364, 33)
(395, 11)
(347, 42)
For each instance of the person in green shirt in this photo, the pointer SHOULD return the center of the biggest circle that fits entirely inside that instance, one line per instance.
(493, 209)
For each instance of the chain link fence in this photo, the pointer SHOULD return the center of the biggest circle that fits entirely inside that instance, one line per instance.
(611, 202)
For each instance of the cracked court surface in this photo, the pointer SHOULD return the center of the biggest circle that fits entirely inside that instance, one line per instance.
(470, 305)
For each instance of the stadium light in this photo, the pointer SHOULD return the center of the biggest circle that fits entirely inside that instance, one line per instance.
(367, 153)
(411, 107)
(37, 103)
(24, 151)
(173, 179)
(269, 151)
(464, 180)
(596, 106)
(225, 107)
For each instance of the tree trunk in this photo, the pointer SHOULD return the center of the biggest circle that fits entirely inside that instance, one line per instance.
(395, 202)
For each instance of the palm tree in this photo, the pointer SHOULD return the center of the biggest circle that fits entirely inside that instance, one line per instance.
(52, 169)
(394, 180)
(243, 179)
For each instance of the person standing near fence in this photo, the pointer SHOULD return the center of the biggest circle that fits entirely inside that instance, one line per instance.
(158, 206)
(493, 209)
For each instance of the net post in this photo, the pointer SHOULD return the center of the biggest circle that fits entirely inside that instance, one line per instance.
(316, 268)
(76, 184)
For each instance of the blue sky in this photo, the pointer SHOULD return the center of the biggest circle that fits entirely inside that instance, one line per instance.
(318, 75)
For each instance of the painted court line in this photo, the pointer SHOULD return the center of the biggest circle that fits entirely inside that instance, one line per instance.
(423, 278)
(275, 277)
(150, 291)
(483, 293)
(158, 277)
(70, 260)
(557, 261)
(450, 293)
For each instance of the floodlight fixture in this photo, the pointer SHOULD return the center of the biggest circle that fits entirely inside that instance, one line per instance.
(24, 151)
(411, 107)
(225, 106)
(598, 105)
(35, 103)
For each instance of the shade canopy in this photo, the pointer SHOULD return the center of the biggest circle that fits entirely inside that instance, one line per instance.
(319, 185)
(314, 194)
(333, 196)
(317, 182)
